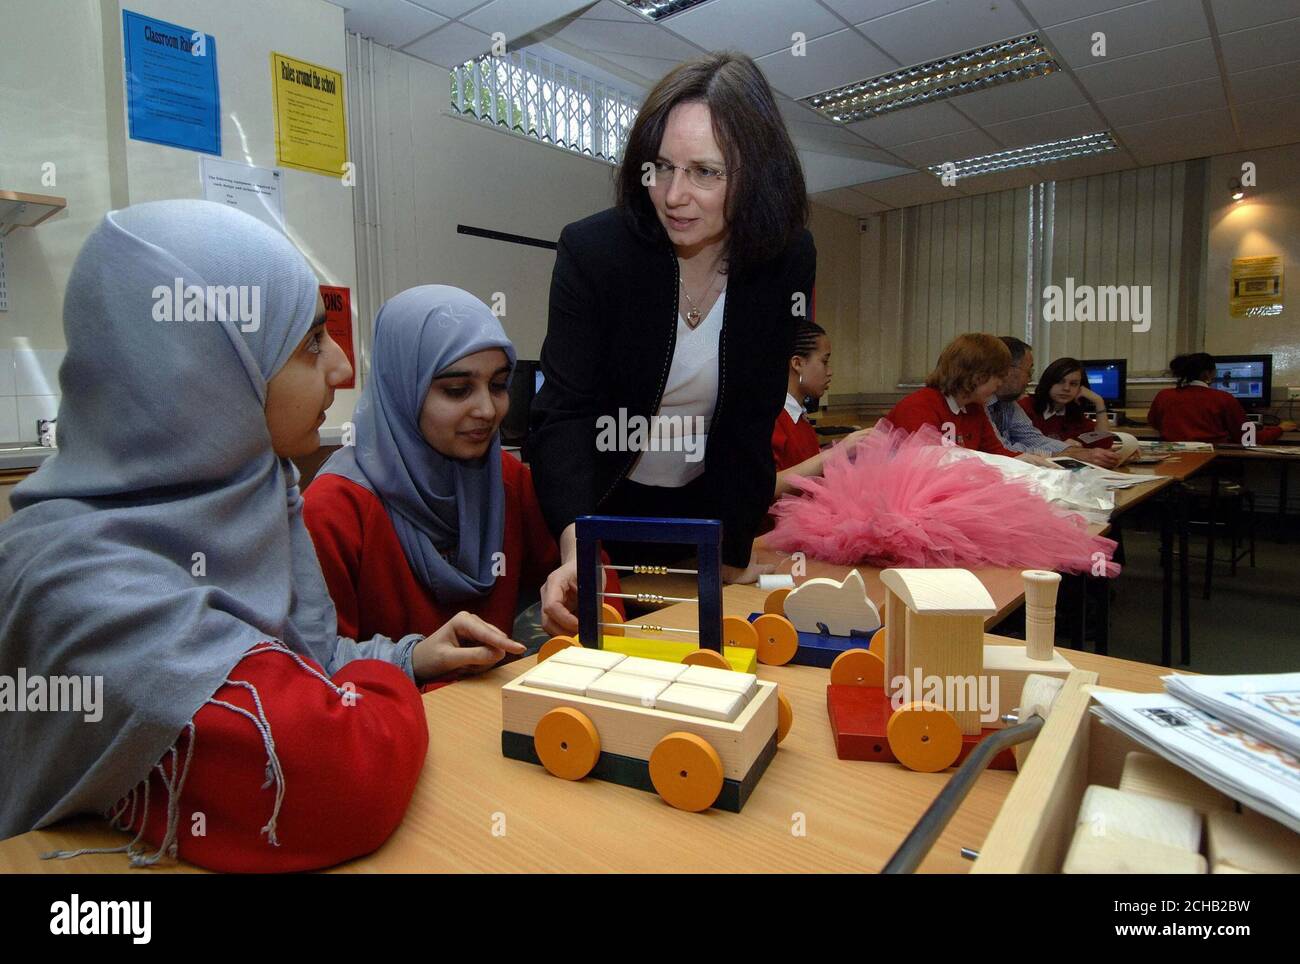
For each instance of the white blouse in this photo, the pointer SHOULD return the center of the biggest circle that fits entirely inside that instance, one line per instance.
(686, 410)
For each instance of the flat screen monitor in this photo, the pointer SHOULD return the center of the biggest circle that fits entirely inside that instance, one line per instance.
(525, 382)
(1107, 377)
(1247, 378)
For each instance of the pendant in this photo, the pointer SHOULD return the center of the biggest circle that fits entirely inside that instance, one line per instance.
(693, 317)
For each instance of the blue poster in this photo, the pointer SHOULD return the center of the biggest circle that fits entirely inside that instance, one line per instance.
(172, 96)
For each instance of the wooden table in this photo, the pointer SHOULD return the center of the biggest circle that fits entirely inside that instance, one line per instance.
(854, 815)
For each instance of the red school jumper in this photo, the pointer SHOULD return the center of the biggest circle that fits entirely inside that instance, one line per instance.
(1197, 413)
(929, 406)
(371, 583)
(793, 442)
(1059, 426)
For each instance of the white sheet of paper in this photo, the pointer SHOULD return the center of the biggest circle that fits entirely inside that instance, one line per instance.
(253, 190)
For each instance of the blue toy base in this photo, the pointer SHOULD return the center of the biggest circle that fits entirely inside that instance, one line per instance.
(820, 649)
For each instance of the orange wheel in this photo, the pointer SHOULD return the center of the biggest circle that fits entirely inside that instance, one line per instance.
(686, 771)
(706, 657)
(877, 644)
(923, 737)
(738, 632)
(777, 639)
(858, 667)
(567, 743)
(608, 614)
(784, 716)
(554, 645)
(775, 602)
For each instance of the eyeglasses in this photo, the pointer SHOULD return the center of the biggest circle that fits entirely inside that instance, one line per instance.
(705, 178)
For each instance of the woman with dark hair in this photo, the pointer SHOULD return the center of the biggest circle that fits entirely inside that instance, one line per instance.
(672, 318)
(1054, 406)
(795, 448)
(969, 371)
(1195, 412)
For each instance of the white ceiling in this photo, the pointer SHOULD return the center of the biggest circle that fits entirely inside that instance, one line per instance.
(1180, 79)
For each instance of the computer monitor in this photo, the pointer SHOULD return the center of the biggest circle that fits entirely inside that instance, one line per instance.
(1108, 377)
(1247, 378)
(524, 384)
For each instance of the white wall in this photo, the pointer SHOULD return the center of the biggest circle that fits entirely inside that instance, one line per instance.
(61, 74)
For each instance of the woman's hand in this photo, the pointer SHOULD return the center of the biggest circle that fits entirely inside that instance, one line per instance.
(462, 646)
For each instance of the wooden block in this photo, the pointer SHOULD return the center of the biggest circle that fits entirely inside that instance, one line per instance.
(1115, 853)
(948, 647)
(1109, 811)
(743, 684)
(741, 658)
(1010, 665)
(1040, 612)
(632, 730)
(625, 688)
(940, 592)
(1249, 841)
(602, 659)
(1157, 777)
(703, 701)
(895, 654)
(653, 668)
(561, 677)
(841, 605)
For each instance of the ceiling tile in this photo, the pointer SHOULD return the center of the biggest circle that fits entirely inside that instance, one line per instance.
(831, 61)
(901, 192)
(1087, 166)
(1230, 15)
(823, 172)
(1130, 75)
(1131, 30)
(516, 19)
(937, 28)
(946, 147)
(858, 11)
(611, 10)
(1022, 98)
(911, 124)
(1046, 127)
(1265, 83)
(390, 22)
(1049, 12)
(849, 202)
(1268, 122)
(448, 8)
(756, 27)
(1178, 138)
(639, 38)
(450, 45)
(1199, 95)
(1275, 43)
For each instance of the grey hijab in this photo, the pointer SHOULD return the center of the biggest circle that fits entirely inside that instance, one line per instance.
(163, 455)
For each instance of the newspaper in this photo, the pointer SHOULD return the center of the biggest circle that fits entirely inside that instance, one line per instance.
(1267, 707)
(1261, 775)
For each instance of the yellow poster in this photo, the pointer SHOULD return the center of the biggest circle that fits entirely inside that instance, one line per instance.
(1256, 286)
(310, 129)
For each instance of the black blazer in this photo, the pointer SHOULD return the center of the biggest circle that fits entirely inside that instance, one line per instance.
(609, 344)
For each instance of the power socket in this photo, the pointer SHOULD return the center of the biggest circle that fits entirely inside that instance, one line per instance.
(1293, 394)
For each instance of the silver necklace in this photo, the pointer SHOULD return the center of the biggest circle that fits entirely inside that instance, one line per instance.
(694, 316)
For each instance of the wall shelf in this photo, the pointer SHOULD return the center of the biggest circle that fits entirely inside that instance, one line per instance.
(20, 210)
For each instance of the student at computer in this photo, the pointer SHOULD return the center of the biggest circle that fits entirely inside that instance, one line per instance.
(1054, 406)
(1194, 412)
(795, 448)
(424, 516)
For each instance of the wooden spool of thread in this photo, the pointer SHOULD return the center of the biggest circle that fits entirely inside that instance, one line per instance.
(1040, 612)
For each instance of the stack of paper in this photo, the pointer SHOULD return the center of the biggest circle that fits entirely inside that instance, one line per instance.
(1260, 774)
(1267, 707)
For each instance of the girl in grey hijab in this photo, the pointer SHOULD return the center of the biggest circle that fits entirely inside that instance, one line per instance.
(160, 555)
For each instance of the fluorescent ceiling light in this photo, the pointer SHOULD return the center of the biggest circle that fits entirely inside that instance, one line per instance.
(1035, 154)
(658, 9)
(1017, 59)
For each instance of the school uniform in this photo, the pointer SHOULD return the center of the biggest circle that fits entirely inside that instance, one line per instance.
(794, 439)
(1058, 423)
(1195, 412)
(971, 426)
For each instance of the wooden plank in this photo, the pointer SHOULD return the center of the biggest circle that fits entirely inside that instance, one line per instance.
(950, 648)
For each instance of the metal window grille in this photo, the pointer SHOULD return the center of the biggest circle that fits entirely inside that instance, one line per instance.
(537, 98)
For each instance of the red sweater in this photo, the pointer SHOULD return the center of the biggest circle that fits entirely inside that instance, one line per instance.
(371, 582)
(928, 406)
(1195, 413)
(1060, 427)
(793, 442)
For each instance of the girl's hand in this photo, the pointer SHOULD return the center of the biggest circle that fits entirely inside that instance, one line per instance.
(462, 646)
(1098, 403)
(854, 437)
(733, 575)
(560, 600)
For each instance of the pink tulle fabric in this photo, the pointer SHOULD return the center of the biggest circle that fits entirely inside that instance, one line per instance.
(896, 500)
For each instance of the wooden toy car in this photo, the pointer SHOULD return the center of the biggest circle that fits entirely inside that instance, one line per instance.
(699, 736)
